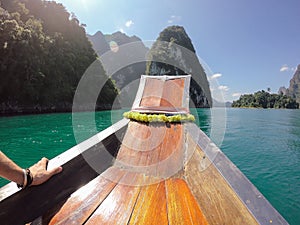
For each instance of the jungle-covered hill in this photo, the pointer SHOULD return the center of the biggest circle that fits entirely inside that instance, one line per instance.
(44, 53)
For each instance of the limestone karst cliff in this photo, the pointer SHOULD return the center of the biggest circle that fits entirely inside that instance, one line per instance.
(173, 53)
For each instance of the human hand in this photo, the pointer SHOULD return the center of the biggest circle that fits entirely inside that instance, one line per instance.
(40, 173)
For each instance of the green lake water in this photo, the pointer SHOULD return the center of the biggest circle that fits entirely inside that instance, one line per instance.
(264, 144)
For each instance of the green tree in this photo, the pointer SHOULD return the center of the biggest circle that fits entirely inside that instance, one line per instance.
(262, 99)
(44, 53)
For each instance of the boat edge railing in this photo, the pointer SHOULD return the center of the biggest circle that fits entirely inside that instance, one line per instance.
(251, 197)
(23, 206)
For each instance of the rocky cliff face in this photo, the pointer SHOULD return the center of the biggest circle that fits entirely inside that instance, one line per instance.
(126, 77)
(101, 42)
(294, 88)
(165, 58)
(282, 90)
(100, 45)
(173, 54)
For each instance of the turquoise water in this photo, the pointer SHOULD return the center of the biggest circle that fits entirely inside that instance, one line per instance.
(264, 144)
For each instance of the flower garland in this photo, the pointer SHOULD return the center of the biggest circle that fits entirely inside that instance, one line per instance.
(162, 118)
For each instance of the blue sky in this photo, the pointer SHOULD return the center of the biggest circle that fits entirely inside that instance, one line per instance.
(249, 44)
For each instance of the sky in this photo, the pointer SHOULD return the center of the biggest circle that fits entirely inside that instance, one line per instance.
(249, 45)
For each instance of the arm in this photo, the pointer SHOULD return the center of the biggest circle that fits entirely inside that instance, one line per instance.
(11, 171)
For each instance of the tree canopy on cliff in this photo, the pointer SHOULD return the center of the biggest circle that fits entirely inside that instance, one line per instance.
(263, 99)
(44, 53)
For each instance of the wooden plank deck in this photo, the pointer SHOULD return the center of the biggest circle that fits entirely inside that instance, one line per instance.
(131, 195)
(166, 202)
(82, 203)
(218, 201)
(182, 206)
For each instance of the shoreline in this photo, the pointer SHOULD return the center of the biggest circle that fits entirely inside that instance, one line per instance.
(23, 111)
(244, 107)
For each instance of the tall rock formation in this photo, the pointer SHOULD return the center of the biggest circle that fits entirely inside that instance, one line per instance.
(173, 54)
(282, 91)
(103, 43)
(99, 43)
(294, 88)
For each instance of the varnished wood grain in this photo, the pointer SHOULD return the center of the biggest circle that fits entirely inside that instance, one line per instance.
(163, 95)
(151, 206)
(118, 205)
(171, 156)
(172, 93)
(159, 154)
(182, 206)
(152, 92)
(160, 109)
(82, 203)
(135, 141)
(218, 202)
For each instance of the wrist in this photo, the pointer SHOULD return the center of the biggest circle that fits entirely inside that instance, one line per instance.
(27, 180)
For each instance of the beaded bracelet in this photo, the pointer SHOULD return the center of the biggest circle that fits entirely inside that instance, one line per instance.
(28, 178)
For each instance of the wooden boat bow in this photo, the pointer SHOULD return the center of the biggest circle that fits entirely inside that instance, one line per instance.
(163, 173)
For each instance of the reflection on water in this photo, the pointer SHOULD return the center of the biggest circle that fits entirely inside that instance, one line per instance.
(203, 117)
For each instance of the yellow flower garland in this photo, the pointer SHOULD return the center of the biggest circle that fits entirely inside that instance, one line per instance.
(162, 118)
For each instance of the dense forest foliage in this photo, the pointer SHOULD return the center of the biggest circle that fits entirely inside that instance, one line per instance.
(173, 54)
(44, 53)
(263, 99)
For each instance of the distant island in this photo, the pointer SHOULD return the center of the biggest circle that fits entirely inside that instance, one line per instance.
(263, 99)
(287, 98)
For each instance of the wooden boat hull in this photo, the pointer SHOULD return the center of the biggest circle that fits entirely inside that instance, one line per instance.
(159, 173)
(217, 189)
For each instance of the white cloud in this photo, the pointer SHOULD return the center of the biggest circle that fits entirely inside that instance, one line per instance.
(284, 68)
(174, 19)
(129, 23)
(237, 94)
(122, 30)
(223, 88)
(216, 75)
